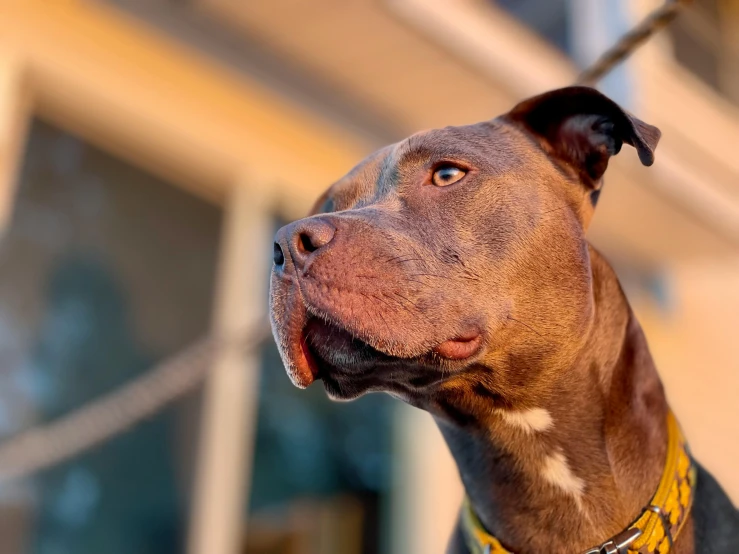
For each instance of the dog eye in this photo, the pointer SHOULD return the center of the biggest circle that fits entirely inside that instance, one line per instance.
(447, 175)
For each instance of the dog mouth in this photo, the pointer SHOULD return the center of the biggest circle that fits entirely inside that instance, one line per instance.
(331, 353)
(337, 337)
(330, 349)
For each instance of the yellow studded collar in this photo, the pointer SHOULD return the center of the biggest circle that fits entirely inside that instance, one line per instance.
(653, 532)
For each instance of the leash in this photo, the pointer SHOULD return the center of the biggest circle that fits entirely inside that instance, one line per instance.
(628, 43)
(48, 445)
(654, 530)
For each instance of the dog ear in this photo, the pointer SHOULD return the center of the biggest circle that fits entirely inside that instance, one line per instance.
(584, 128)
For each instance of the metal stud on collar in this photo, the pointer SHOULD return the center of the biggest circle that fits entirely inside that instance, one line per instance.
(665, 522)
(618, 544)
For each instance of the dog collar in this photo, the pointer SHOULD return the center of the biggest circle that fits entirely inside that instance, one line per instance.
(653, 532)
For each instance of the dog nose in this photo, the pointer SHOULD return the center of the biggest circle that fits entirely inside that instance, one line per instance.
(303, 239)
(278, 256)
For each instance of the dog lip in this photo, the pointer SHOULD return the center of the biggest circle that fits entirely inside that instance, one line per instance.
(460, 348)
(302, 366)
(308, 365)
(290, 334)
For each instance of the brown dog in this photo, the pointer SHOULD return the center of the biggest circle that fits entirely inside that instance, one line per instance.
(451, 270)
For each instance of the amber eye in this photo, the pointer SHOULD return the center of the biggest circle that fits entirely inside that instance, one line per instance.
(447, 175)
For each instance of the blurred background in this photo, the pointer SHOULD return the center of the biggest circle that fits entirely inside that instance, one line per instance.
(150, 148)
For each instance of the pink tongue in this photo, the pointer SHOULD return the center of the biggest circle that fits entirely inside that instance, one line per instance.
(459, 349)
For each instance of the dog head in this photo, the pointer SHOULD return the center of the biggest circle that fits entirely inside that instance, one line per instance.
(454, 256)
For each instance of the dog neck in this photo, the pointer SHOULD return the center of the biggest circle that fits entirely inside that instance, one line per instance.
(576, 468)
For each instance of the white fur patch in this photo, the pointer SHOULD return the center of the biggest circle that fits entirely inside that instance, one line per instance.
(534, 419)
(557, 472)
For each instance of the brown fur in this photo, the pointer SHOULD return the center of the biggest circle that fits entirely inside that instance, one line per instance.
(393, 266)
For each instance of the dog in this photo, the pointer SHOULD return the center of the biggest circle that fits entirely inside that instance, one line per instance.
(451, 270)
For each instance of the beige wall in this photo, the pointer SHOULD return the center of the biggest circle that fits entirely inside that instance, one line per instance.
(696, 347)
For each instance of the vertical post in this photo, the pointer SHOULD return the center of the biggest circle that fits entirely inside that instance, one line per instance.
(16, 505)
(14, 115)
(228, 418)
(427, 491)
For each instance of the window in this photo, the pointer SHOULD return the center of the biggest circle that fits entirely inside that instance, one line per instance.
(548, 18)
(104, 270)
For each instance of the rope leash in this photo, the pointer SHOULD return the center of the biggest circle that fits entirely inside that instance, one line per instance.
(628, 43)
(47, 445)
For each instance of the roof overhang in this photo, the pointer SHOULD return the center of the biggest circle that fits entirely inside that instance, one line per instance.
(430, 63)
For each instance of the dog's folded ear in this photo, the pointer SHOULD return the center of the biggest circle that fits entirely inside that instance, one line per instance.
(583, 128)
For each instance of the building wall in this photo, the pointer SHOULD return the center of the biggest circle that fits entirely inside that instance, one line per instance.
(694, 342)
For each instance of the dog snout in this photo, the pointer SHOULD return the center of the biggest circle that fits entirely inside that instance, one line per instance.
(303, 240)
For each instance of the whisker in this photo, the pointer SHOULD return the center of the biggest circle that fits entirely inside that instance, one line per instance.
(385, 322)
(429, 275)
(379, 313)
(409, 259)
(417, 313)
(525, 325)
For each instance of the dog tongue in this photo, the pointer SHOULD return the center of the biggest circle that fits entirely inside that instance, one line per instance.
(460, 348)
